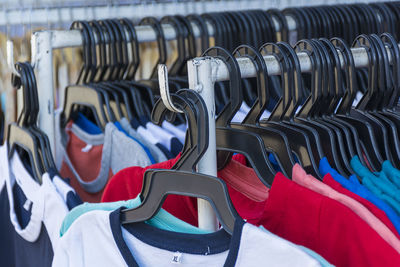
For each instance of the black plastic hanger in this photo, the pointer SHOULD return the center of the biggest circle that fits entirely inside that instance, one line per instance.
(334, 130)
(299, 140)
(2, 124)
(155, 24)
(233, 140)
(178, 65)
(81, 95)
(157, 184)
(274, 140)
(21, 137)
(318, 94)
(359, 127)
(111, 108)
(385, 95)
(44, 147)
(337, 93)
(290, 103)
(204, 35)
(376, 127)
(283, 33)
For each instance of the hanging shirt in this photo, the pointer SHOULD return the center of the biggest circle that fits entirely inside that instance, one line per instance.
(391, 172)
(90, 159)
(324, 225)
(352, 184)
(301, 177)
(119, 127)
(162, 220)
(380, 214)
(165, 138)
(67, 193)
(149, 136)
(182, 127)
(377, 183)
(178, 133)
(157, 154)
(137, 244)
(254, 204)
(31, 215)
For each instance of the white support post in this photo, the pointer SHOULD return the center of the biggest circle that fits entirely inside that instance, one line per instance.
(42, 53)
(200, 75)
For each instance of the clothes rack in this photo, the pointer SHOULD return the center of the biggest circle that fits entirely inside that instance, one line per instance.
(202, 73)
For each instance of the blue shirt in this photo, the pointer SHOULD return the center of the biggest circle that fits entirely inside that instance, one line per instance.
(354, 186)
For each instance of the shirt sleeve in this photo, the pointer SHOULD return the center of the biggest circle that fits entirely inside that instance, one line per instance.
(61, 256)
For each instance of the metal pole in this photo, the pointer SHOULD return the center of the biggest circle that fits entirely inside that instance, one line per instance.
(200, 80)
(247, 68)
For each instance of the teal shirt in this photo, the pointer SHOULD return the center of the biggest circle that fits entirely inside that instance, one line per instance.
(391, 172)
(378, 183)
(163, 220)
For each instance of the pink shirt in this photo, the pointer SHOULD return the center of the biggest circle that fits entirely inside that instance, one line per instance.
(302, 178)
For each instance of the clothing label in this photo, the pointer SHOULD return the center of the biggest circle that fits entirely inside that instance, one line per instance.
(177, 257)
(357, 99)
(27, 205)
(87, 148)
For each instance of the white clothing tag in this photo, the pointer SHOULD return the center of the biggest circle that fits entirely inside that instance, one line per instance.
(27, 204)
(177, 258)
(357, 99)
(87, 148)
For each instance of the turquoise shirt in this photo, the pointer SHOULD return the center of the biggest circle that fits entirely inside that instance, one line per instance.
(391, 172)
(378, 183)
(163, 220)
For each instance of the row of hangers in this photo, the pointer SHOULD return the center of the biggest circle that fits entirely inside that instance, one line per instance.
(326, 114)
(346, 21)
(112, 56)
(314, 118)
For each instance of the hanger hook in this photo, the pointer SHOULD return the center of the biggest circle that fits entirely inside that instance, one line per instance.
(164, 88)
(10, 57)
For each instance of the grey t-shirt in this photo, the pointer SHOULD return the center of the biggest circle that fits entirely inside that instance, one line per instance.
(119, 152)
(157, 154)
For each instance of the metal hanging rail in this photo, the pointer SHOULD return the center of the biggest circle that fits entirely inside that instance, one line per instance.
(247, 69)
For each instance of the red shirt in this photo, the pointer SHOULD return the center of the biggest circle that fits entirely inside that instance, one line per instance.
(324, 225)
(86, 163)
(380, 214)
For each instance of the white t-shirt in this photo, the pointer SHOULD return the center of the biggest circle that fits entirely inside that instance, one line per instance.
(31, 215)
(97, 239)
